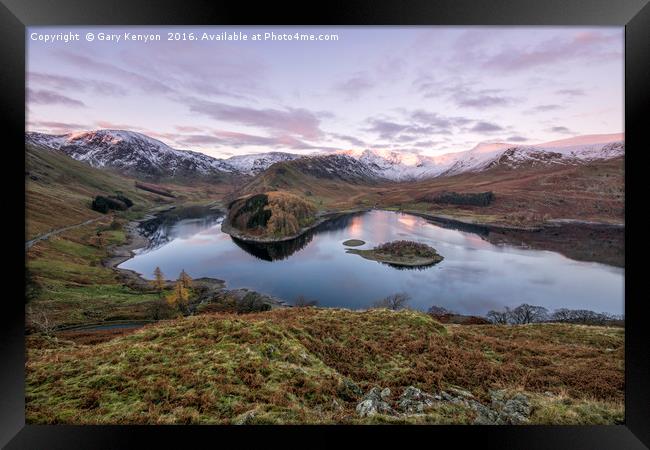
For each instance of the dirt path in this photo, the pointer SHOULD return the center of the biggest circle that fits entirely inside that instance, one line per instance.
(47, 235)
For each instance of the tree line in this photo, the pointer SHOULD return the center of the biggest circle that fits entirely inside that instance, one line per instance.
(526, 313)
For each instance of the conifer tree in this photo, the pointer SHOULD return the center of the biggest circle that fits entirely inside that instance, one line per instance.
(159, 280)
(185, 279)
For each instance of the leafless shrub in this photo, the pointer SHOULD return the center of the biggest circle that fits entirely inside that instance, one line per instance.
(302, 301)
(395, 302)
(40, 322)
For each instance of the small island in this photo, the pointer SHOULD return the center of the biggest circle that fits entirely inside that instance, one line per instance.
(274, 216)
(354, 242)
(401, 253)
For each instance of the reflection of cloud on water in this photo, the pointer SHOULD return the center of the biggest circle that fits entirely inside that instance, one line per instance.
(543, 280)
(474, 277)
(407, 221)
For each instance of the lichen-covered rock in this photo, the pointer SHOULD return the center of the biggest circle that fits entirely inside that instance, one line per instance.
(461, 392)
(349, 391)
(516, 410)
(415, 401)
(503, 411)
(485, 415)
(373, 403)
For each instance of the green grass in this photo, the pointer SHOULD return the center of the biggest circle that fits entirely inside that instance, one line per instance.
(73, 286)
(59, 191)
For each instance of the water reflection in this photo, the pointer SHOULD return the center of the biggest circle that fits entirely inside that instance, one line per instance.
(276, 251)
(475, 275)
(164, 228)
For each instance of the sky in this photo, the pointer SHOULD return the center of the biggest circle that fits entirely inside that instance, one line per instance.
(422, 90)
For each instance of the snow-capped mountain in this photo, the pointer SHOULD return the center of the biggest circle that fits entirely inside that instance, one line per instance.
(137, 154)
(131, 153)
(254, 164)
(337, 166)
(407, 166)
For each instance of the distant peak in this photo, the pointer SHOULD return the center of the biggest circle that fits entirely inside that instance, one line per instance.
(588, 139)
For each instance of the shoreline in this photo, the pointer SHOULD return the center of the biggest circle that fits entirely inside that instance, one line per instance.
(136, 240)
(551, 223)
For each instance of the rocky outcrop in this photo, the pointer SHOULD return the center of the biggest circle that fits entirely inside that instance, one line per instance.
(375, 402)
(503, 410)
(415, 401)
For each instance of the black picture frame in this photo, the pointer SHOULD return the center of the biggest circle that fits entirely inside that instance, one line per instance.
(16, 15)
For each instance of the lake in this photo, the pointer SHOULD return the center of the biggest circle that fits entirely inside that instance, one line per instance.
(475, 276)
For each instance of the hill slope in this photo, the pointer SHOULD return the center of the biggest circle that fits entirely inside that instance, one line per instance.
(136, 154)
(333, 181)
(59, 190)
(311, 365)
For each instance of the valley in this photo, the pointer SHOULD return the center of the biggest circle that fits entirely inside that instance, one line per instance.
(562, 220)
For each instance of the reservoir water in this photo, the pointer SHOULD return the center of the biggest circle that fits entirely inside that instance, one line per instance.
(475, 276)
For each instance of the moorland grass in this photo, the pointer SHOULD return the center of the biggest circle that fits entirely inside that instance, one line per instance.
(287, 365)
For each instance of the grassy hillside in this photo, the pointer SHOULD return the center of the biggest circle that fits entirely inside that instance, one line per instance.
(293, 365)
(592, 192)
(68, 285)
(526, 196)
(324, 192)
(59, 191)
(66, 281)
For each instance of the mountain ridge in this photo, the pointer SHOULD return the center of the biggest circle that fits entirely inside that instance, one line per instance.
(136, 153)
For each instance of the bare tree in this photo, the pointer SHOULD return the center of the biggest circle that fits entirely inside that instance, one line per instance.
(583, 316)
(526, 313)
(394, 302)
(499, 317)
(302, 301)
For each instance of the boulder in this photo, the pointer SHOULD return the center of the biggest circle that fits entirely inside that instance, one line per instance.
(414, 401)
(516, 410)
(373, 403)
(461, 392)
(503, 410)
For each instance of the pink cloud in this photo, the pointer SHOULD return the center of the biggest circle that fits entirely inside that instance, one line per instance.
(296, 121)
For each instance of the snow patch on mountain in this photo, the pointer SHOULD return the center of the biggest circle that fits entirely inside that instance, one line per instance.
(408, 166)
(142, 155)
(136, 153)
(256, 163)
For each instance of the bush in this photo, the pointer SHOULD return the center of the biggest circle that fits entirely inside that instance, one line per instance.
(394, 302)
(436, 310)
(104, 204)
(251, 302)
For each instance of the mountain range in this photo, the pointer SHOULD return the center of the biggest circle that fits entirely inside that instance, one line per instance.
(142, 156)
